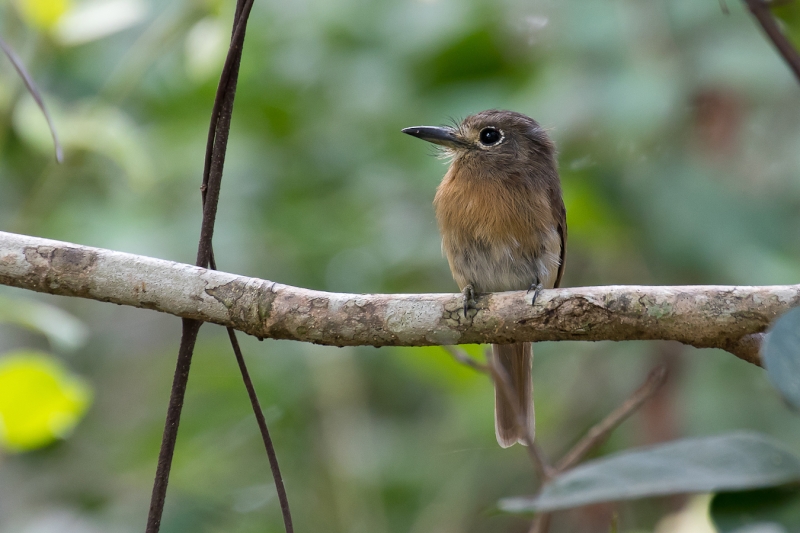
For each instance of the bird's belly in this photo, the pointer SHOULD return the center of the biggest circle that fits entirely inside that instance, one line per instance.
(496, 267)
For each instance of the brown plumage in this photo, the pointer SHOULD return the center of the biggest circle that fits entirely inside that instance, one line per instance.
(503, 227)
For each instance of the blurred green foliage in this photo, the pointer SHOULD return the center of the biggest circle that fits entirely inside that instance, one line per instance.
(677, 128)
(774, 510)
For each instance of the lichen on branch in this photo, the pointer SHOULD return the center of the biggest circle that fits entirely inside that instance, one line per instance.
(730, 318)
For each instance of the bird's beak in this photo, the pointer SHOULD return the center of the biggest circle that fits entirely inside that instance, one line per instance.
(443, 136)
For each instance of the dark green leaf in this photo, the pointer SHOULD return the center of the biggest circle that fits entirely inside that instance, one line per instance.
(782, 356)
(789, 14)
(768, 510)
(708, 464)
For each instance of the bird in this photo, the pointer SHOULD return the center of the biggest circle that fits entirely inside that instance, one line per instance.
(503, 224)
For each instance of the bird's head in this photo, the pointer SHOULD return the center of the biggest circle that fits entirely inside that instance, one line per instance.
(495, 138)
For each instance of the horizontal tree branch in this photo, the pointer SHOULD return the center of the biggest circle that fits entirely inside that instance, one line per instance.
(731, 318)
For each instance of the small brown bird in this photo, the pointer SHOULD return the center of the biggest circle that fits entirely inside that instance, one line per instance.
(503, 226)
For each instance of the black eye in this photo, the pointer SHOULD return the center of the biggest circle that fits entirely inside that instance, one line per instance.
(490, 136)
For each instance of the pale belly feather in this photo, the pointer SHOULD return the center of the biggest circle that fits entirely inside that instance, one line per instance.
(503, 265)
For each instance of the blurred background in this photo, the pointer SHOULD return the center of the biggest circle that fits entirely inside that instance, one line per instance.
(678, 129)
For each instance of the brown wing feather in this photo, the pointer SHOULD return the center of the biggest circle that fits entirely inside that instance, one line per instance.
(560, 215)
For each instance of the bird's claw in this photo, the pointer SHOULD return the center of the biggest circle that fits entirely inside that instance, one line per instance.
(536, 288)
(469, 298)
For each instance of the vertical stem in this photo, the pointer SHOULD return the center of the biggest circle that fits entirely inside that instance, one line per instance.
(188, 340)
(280, 488)
(540, 524)
(212, 179)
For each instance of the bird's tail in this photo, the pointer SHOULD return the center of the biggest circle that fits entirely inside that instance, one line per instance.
(515, 360)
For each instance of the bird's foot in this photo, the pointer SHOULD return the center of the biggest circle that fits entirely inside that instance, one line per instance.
(469, 298)
(536, 287)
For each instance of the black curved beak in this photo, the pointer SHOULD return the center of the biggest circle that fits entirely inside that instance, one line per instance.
(443, 136)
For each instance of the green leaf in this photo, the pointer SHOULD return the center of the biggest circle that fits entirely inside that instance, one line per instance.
(782, 356)
(789, 15)
(764, 510)
(707, 464)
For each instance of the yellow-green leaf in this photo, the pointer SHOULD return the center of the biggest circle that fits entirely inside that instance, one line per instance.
(42, 14)
(40, 400)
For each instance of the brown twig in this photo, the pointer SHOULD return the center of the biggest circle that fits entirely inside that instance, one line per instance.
(460, 355)
(27, 79)
(217, 144)
(280, 488)
(540, 524)
(600, 432)
(212, 178)
(212, 174)
(761, 11)
(177, 393)
(778, 3)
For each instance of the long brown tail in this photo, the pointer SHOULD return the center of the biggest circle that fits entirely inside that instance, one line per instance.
(516, 360)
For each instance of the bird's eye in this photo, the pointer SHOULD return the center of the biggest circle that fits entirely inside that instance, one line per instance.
(490, 136)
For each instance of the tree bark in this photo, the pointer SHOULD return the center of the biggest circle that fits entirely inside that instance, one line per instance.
(730, 318)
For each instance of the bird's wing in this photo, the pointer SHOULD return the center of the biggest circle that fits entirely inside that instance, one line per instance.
(560, 215)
